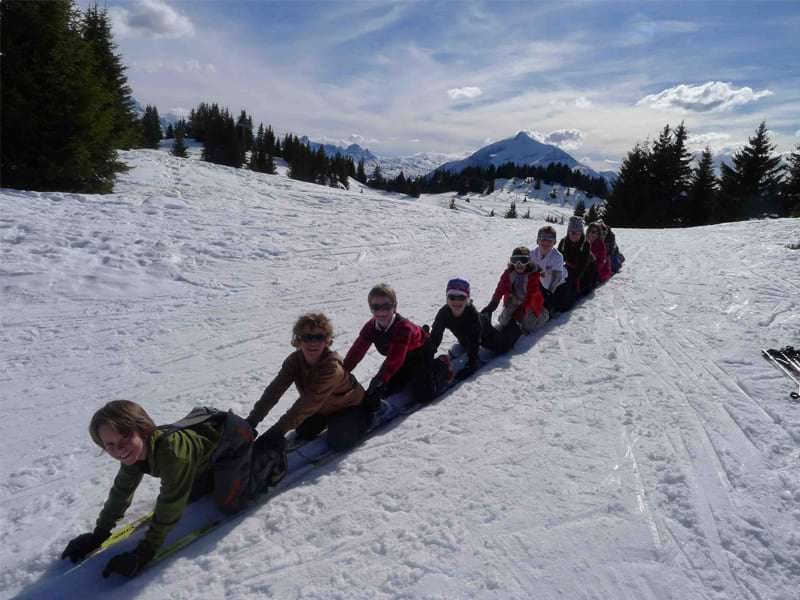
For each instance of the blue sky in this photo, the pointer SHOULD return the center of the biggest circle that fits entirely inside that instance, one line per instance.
(406, 77)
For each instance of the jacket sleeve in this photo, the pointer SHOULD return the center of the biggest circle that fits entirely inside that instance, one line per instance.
(273, 392)
(358, 349)
(535, 299)
(398, 348)
(473, 344)
(120, 496)
(178, 459)
(437, 330)
(312, 399)
(503, 287)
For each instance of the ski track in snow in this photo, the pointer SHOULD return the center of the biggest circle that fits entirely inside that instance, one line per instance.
(637, 447)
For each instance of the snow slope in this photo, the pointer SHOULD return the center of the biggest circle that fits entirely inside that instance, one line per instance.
(636, 448)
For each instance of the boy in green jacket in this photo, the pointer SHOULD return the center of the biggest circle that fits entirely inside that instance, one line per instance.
(207, 450)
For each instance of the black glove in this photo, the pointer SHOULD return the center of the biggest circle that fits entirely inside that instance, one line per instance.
(252, 422)
(488, 310)
(274, 439)
(84, 544)
(129, 563)
(376, 390)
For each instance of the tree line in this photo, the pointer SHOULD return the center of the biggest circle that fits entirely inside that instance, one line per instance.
(480, 180)
(659, 187)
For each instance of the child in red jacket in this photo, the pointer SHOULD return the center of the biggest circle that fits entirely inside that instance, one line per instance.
(409, 357)
(521, 293)
(594, 234)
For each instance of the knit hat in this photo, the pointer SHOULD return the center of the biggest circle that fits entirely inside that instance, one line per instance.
(575, 224)
(458, 286)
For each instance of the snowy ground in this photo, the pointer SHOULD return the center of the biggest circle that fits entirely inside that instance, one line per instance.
(637, 448)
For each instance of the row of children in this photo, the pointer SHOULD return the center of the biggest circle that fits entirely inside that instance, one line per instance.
(220, 453)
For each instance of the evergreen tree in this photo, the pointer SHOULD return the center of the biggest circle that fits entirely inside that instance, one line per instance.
(580, 208)
(490, 188)
(703, 192)
(151, 126)
(96, 31)
(592, 215)
(377, 180)
(629, 196)
(511, 213)
(170, 134)
(179, 147)
(751, 187)
(57, 119)
(361, 175)
(791, 186)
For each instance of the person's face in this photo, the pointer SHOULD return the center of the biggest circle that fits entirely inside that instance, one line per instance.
(574, 236)
(127, 449)
(592, 235)
(520, 263)
(457, 303)
(313, 343)
(545, 244)
(382, 310)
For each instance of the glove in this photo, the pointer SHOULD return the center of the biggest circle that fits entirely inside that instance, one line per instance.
(274, 439)
(375, 391)
(129, 563)
(84, 544)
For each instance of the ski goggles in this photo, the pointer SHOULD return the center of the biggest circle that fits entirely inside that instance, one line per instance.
(313, 337)
(379, 307)
(547, 238)
(520, 260)
(456, 296)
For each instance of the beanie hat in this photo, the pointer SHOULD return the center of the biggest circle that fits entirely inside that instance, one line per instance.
(575, 224)
(521, 251)
(458, 286)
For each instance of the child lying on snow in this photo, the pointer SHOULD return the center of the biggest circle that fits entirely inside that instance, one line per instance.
(207, 450)
(460, 316)
(594, 234)
(557, 297)
(578, 258)
(409, 358)
(329, 395)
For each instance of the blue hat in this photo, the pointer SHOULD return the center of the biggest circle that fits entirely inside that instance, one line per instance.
(458, 286)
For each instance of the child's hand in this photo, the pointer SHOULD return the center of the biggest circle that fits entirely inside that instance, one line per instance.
(84, 544)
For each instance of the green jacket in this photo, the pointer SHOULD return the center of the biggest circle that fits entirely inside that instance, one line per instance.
(176, 461)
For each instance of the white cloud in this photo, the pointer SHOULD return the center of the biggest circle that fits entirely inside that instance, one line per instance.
(464, 93)
(583, 102)
(797, 133)
(176, 66)
(150, 19)
(712, 96)
(568, 139)
(611, 162)
(708, 139)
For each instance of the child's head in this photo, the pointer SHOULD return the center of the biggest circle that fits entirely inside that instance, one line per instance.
(457, 295)
(546, 238)
(121, 428)
(594, 232)
(575, 229)
(383, 303)
(520, 259)
(312, 334)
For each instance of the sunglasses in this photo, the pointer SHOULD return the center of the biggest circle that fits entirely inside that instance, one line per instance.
(520, 260)
(456, 297)
(547, 239)
(313, 337)
(378, 307)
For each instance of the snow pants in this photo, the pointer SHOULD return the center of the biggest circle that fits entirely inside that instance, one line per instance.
(562, 299)
(498, 340)
(426, 375)
(345, 428)
(528, 323)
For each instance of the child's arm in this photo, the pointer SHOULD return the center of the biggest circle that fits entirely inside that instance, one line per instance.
(119, 497)
(273, 392)
(312, 399)
(358, 350)
(437, 330)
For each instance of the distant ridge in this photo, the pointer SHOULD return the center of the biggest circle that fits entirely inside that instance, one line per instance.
(354, 151)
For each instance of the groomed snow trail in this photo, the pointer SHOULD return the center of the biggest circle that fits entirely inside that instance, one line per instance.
(636, 448)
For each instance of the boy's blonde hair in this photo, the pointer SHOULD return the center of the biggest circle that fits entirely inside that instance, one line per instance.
(383, 289)
(311, 321)
(124, 417)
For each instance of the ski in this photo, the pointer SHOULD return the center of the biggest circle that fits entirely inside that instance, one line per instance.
(786, 360)
(124, 532)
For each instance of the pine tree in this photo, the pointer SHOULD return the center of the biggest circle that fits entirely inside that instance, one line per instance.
(751, 187)
(628, 200)
(580, 208)
(511, 213)
(361, 175)
(179, 147)
(151, 126)
(170, 134)
(703, 192)
(96, 31)
(57, 120)
(592, 215)
(791, 186)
